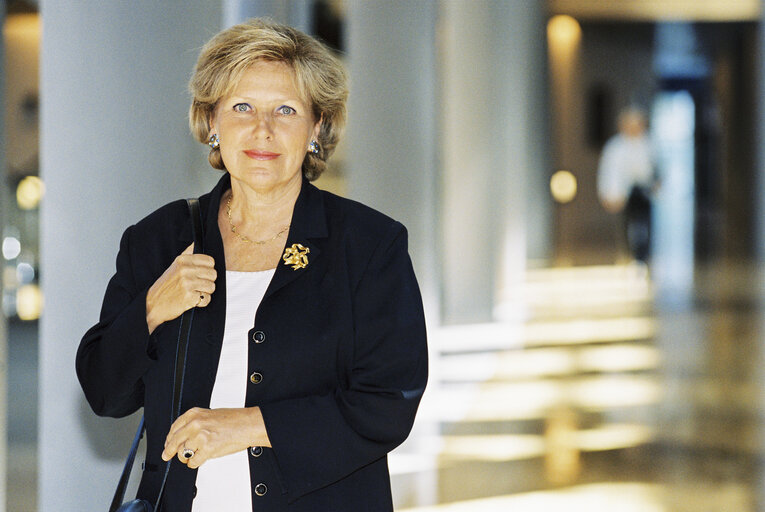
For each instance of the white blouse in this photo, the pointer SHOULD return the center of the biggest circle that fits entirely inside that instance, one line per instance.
(224, 483)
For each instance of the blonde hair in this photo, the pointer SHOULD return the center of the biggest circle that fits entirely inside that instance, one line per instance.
(320, 78)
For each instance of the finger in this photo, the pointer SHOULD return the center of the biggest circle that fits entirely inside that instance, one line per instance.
(174, 448)
(189, 249)
(197, 460)
(187, 270)
(195, 261)
(182, 455)
(180, 423)
(189, 278)
(202, 260)
(196, 297)
(202, 286)
(176, 437)
(206, 273)
(204, 300)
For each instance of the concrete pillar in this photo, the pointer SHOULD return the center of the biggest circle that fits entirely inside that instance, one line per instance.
(392, 161)
(115, 146)
(296, 13)
(493, 152)
(524, 148)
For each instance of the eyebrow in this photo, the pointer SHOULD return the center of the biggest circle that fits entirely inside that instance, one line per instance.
(249, 98)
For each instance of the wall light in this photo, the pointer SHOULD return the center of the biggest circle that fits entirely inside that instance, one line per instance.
(563, 186)
(29, 192)
(564, 30)
(11, 247)
(29, 302)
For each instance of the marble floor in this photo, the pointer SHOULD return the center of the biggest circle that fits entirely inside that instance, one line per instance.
(612, 393)
(604, 391)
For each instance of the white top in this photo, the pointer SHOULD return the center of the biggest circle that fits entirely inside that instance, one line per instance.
(626, 162)
(224, 483)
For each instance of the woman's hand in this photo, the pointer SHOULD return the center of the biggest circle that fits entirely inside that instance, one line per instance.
(212, 433)
(189, 281)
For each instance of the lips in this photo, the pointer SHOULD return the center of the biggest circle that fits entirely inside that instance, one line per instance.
(261, 155)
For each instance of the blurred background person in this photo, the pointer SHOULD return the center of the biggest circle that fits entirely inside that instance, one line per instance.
(627, 180)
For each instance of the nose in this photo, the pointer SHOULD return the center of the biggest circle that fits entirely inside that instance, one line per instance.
(263, 125)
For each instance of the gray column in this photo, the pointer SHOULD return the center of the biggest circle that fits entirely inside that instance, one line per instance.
(495, 207)
(115, 146)
(296, 13)
(391, 161)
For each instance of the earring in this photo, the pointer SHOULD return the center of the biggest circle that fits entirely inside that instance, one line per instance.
(214, 141)
(313, 147)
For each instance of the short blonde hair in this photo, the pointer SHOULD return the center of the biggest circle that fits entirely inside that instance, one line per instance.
(320, 78)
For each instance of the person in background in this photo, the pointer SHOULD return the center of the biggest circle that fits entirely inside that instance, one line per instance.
(307, 356)
(627, 180)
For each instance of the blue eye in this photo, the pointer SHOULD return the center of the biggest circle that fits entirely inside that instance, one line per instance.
(241, 107)
(285, 110)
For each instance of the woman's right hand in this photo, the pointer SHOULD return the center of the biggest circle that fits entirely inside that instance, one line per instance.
(188, 282)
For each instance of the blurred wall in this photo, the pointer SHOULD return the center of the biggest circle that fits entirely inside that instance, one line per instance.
(21, 34)
(115, 145)
(3, 325)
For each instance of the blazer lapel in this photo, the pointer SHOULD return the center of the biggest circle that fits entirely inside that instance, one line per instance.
(308, 225)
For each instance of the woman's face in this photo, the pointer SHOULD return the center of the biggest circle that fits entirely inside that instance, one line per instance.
(265, 126)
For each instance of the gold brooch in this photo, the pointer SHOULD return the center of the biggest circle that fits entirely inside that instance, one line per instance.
(297, 256)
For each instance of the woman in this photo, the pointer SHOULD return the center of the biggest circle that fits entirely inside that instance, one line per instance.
(307, 357)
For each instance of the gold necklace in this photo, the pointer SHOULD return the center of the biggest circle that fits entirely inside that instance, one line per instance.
(244, 238)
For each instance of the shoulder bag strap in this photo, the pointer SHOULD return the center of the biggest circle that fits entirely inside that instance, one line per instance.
(183, 337)
(180, 367)
(119, 494)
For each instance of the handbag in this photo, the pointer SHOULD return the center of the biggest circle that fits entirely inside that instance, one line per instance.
(139, 505)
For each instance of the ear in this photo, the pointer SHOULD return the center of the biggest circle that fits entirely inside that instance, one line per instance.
(317, 128)
(212, 122)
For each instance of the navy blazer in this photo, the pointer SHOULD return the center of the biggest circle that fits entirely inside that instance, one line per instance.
(340, 346)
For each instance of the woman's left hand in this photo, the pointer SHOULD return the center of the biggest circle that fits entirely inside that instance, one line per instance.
(212, 433)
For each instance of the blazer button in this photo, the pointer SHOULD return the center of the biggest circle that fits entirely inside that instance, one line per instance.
(256, 378)
(258, 336)
(261, 489)
(256, 451)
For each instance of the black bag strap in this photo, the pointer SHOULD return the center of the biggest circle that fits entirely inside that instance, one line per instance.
(119, 494)
(185, 330)
(180, 369)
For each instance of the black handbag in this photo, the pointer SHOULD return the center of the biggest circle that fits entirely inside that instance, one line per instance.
(139, 505)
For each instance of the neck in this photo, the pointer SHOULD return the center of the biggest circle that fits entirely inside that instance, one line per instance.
(261, 213)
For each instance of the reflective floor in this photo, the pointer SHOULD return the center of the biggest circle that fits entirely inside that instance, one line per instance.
(612, 393)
